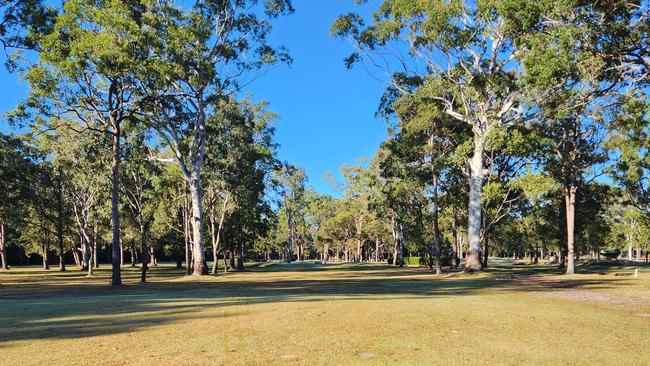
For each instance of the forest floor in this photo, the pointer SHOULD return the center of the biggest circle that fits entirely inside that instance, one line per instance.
(342, 314)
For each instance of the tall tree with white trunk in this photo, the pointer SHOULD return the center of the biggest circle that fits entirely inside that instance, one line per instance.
(467, 63)
(207, 52)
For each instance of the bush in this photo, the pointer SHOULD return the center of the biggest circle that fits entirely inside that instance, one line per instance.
(412, 261)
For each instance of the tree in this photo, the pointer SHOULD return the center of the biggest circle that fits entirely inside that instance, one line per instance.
(579, 57)
(241, 156)
(139, 174)
(202, 66)
(22, 22)
(291, 187)
(87, 183)
(16, 163)
(474, 82)
(89, 74)
(630, 138)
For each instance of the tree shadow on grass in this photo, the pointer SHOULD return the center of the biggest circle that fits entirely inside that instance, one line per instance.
(71, 306)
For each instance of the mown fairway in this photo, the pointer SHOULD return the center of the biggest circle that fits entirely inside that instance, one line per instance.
(334, 314)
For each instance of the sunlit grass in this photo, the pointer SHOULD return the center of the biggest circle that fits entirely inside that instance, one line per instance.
(335, 314)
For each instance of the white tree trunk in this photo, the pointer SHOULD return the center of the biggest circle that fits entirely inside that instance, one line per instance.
(3, 247)
(570, 201)
(198, 255)
(477, 174)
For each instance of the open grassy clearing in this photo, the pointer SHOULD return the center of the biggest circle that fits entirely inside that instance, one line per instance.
(334, 314)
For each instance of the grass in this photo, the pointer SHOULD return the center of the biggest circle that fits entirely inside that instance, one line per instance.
(319, 315)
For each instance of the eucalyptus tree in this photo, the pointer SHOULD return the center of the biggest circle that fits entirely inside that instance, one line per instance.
(208, 51)
(467, 63)
(320, 208)
(290, 181)
(580, 58)
(22, 22)
(170, 212)
(630, 137)
(16, 163)
(38, 229)
(398, 193)
(237, 167)
(80, 155)
(139, 173)
(356, 201)
(88, 74)
(426, 142)
(511, 158)
(242, 141)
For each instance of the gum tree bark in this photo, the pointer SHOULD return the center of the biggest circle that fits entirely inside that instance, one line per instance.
(3, 247)
(290, 237)
(216, 235)
(475, 210)
(436, 227)
(45, 248)
(116, 248)
(144, 249)
(95, 244)
(190, 161)
(60, 226)
(570, 203)
(83, 203)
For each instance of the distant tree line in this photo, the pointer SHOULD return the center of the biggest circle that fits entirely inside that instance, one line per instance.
(516, 128)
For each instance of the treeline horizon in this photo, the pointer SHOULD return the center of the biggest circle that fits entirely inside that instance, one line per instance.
(515, 129)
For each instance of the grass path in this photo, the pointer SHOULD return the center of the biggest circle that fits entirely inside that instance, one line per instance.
(308, 314)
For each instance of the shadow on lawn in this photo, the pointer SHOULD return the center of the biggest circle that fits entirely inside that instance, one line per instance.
(79, 307)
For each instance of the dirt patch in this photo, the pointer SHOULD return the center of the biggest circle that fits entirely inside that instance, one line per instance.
(592, 297)
(556, 288)
(366, 354)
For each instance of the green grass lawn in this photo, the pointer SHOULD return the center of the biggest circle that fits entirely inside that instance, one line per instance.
(309, 314)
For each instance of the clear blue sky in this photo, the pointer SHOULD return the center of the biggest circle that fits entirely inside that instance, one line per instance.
(326, 111)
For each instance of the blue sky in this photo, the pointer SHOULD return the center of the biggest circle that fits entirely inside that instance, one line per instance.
(326, 111)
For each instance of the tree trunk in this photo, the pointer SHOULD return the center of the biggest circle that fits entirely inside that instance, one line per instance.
(473, 258)
(75, 255)
(376, 251)
(198, 252)
(145, 250)
(240, 249)
(455, 245)
(46, 259)
(401, 245)
(629, 249)
(289, 238)
(3, 247)
(116, 271)
(359, 256)
(486, 248)
(436, 227)
(90, 264)
(95, 233)
(152, 254)
(186, 237)
(326, 253)
(216, 238)
(86, 250)
(60, 228)
(231, 260)
(121, 253)
(225, 260)
(570, 201)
